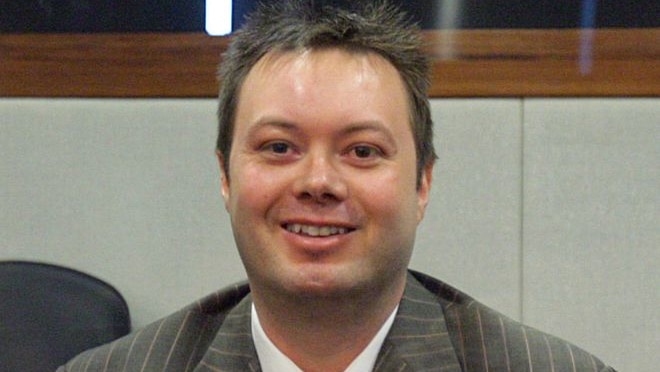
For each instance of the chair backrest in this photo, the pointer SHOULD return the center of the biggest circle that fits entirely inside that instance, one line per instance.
(49, 314)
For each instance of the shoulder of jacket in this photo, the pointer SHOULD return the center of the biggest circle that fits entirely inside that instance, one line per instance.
(192, 325)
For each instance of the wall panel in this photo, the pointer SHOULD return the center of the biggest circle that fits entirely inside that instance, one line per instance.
(124, 189)
(471, 234)
(591, 236)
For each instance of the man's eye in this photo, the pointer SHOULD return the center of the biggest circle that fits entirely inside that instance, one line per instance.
(278, 147)
(364, 152)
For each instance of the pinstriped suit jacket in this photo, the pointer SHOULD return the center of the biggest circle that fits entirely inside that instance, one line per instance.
(437, 328)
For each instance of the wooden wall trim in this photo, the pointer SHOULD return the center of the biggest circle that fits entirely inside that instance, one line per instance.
(602, 62)
(466, 63)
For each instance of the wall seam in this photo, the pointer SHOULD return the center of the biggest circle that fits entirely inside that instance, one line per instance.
(521, 253)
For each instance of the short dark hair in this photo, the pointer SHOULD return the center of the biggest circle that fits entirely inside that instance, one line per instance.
(295, 25)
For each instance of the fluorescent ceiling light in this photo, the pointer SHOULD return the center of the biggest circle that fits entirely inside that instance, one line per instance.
(218, 17)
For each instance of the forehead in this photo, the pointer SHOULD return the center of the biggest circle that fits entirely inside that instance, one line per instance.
(330, 78)
(323, 57)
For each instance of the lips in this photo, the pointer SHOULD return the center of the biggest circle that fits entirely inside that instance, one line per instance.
(316, 231)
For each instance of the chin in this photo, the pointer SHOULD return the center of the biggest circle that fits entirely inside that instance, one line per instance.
(330, 283)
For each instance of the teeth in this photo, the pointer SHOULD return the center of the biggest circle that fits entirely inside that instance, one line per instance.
(316, 230)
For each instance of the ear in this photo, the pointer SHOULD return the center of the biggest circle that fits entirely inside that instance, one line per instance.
(424, 190)
(224, 178)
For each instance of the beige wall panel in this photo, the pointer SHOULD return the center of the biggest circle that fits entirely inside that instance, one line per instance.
(471, 234)
(127, 190)
(591, 232)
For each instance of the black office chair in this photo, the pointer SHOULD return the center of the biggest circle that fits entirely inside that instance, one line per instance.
(49, 314)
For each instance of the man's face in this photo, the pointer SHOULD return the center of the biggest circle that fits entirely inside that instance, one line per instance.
(322, 176)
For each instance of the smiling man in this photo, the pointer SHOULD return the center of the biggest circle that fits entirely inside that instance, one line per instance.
(322, 192)
(326, 153)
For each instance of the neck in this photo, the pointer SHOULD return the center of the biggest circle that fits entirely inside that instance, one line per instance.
(324, 333)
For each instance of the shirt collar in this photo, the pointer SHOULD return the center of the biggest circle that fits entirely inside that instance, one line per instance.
(273, 360)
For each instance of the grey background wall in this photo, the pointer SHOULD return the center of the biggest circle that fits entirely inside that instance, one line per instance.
(546, 209)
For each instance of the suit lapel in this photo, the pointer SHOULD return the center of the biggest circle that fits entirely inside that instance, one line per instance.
(419, 339)
(232, 349)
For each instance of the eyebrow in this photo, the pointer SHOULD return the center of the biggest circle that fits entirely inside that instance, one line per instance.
(351, 128)
(370, 126)
(274, 123)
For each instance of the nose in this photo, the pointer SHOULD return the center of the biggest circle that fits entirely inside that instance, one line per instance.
(320, 180)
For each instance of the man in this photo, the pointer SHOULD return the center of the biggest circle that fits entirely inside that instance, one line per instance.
(326, 155)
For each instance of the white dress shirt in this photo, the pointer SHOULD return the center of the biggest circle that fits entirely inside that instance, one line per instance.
(273, 360)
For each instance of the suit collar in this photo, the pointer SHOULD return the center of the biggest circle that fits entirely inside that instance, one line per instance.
(232, 349)
(419, 338)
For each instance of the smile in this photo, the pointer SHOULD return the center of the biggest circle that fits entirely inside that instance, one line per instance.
(316, 230)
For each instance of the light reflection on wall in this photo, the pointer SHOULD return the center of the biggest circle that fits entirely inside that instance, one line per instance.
(587, 24)
(450, 19)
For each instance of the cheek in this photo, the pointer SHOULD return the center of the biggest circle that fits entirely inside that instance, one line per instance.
(241, 189)
(253, 190)
(391, 196)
